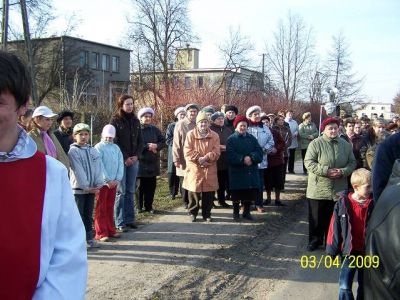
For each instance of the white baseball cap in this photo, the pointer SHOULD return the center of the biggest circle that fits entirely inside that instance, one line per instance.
(43, 111)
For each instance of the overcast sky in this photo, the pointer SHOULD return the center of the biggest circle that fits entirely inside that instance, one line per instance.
(371, 27)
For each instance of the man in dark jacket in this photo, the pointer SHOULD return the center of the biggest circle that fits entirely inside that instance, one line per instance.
(224, 133)
(382, 280)
(386, 154)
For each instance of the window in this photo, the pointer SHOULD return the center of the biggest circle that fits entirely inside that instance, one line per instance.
(83, 58)
(200, 82)
(373, 108)
(115, 64)
(105, 62)
(188, 83)
(94, 60)
(190, 55)
(175, 82)
(382, 108)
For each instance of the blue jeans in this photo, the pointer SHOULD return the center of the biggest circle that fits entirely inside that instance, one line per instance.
(259, 201)
(346, 282)
(85, 203)
(125, 200)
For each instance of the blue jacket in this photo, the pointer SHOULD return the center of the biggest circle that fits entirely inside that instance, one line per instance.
(388, 151)
(265, 140)
(339, 239)
(112, 162)
(242, 176)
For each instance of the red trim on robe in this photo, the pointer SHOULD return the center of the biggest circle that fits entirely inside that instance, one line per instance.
(23, 185)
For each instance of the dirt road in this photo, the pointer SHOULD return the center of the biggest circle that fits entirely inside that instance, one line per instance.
(172, 258)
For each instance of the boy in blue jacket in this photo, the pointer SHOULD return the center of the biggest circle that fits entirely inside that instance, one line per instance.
(86, 177)
(347, 230)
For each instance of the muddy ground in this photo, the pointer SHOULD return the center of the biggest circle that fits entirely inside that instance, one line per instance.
(171, 258)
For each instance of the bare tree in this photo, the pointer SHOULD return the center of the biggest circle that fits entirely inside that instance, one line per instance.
(396, 103)
(289, 57)
(339, 69)
(160, 27)
(235, 52)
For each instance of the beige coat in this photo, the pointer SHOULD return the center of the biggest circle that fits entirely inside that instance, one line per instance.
(198, 178)
(61, 156)
(181, 129)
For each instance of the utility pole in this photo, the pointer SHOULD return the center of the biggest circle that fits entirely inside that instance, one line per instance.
(28, 47)
(4, 27)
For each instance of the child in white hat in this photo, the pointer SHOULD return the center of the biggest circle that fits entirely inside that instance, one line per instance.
(113, 170)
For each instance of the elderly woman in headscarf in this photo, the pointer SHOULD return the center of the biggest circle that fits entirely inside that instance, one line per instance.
(149, 159)
(266, 141)
(39, 130)
(201, 152)
(244, 154)
(329, 161)
(173, 179)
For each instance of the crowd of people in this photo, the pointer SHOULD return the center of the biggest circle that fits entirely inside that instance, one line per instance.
(212, 155)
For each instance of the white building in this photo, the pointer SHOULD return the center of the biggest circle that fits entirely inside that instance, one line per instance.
(376, 110)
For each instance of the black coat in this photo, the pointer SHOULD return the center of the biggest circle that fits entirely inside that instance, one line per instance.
(383, 241)
(169, 138)
(224, 133)
(65, 138)
(149, 162)
(359, 148)
(128, 134)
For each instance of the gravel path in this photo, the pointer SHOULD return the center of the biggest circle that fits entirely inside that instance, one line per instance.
(172, 258)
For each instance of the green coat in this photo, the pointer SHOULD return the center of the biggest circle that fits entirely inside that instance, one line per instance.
(324, 153)
(304, 131)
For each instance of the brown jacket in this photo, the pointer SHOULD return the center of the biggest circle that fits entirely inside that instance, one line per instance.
(181, 129)
(197, 178)
(61, 156)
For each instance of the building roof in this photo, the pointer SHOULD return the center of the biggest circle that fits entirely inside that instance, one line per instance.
(74, 38)
(206, 70)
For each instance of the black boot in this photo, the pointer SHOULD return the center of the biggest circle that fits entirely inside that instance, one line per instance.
(223, 204)
(236, 211)
(246, 212)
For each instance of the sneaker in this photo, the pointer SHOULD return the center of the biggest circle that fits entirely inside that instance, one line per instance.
(104, 239)
(121, 229)
(92, 244)
(224, 204)
(208, 220)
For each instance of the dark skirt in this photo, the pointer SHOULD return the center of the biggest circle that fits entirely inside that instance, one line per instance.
(274, 178)
(247, 195)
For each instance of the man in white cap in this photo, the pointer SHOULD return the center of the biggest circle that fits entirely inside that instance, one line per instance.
(43, 253)
(181, 129)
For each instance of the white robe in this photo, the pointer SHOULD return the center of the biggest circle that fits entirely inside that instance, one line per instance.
(63, 254)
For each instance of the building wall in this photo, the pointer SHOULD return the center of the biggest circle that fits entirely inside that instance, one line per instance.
(373, 110)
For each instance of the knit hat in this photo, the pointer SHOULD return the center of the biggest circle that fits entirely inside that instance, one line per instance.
(108, 131)
(306, 115)
(63, 114)
(238, 119)
(179, 110)
(328, 121)
(81, 127)
(208, 109)
(192, 105)
(217, 115)
(252, 109)
(231, 108)
(43, 111)
(145, 110)
(201, 117)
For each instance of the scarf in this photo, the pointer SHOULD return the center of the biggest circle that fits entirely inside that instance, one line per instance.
(48, 144)
(255, 123)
